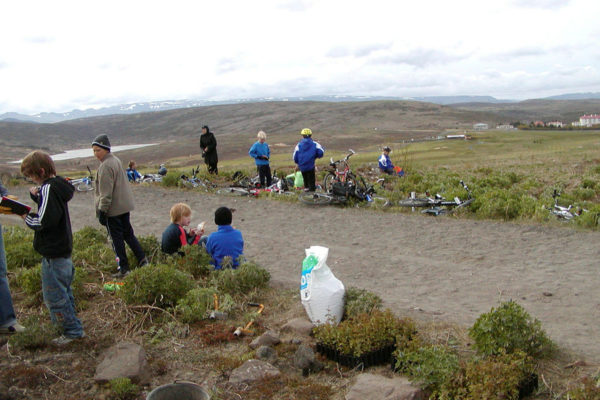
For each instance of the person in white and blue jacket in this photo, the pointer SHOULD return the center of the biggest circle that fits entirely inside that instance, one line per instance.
(261, 153)
(305, 154)
(386, 165)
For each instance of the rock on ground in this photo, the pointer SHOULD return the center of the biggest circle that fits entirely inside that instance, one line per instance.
(377, 387)
(252, 371)
(123, 360)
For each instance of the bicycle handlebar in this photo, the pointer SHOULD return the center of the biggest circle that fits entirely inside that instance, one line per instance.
(345, 159)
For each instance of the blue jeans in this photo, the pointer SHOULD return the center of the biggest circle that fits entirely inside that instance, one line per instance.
(57, 276)
(7, 312)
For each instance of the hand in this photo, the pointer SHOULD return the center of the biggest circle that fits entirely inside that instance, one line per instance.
(34, 190)
(102, 218)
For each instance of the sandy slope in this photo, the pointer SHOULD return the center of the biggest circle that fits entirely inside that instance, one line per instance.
(433, 268)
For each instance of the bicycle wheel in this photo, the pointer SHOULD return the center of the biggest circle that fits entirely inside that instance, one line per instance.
(414, 203)
(233, 191)
(315, 199)
(328, 182)
(85, 187)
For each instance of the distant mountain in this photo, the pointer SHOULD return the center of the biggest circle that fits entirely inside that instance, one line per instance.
(445, 100)
(136, 108)
(575, 96)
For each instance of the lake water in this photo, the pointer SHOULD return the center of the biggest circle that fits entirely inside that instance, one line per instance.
(81, 153)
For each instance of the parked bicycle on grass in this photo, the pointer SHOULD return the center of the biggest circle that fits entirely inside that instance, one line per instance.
(564, 213)
(194, 181)
(437, 204)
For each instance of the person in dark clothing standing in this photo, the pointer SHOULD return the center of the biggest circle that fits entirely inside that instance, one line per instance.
(114, 202)
(208, 145)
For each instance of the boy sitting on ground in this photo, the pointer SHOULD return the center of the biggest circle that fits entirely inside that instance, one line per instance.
(385, 164)
(226, 241)
(175, 236)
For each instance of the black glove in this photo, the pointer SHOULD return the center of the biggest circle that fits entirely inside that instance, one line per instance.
(264, 157)
(102, 218)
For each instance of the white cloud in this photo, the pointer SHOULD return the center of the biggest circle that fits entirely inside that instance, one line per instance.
(73, 54)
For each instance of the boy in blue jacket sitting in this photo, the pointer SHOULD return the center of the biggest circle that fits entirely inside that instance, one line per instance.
(385, 164)
(261, 153)
(226, 241)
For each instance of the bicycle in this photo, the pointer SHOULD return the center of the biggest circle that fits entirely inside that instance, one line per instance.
(162, 171)
(84, 184)
(339, 171)
(194, 181)
(564, 213)
(278, 188)
(437, 205)
(341, 193)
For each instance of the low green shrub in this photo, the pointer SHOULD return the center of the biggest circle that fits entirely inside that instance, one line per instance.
(30, 281)
(88, 236)
(38, 334)
(247, 277)
(360, 301)
(507, 329)
(96, 255)
(152, 250)
(123, 389)
(171, 179)
(497, 376)
(198, 303)
(195, 261)
(431, 367)
(590, 218)
(160, 285)
(18, 243)
(364, 333)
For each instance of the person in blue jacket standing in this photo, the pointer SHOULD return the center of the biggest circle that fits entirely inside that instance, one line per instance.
(261, 153)
(305, 154)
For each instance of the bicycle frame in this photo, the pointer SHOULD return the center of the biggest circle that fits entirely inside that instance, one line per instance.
(341, 174)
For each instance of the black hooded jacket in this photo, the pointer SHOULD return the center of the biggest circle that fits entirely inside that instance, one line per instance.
(208, 141)
(53, 237)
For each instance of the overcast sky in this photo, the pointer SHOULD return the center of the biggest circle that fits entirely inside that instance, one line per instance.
(61, 55)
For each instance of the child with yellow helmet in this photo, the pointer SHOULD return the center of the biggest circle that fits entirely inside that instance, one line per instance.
(305, 154)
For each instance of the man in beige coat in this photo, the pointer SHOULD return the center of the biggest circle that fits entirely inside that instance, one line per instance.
(114, 202)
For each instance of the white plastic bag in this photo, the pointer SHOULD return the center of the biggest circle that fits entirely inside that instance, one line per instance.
(321, 292)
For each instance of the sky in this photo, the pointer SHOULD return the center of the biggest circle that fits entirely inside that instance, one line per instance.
(57, 56)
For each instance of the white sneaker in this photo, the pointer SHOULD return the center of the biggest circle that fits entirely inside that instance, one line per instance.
(14, 328)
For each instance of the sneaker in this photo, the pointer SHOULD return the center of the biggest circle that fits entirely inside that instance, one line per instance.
(14, 328)
(120, 275)
(63, 340)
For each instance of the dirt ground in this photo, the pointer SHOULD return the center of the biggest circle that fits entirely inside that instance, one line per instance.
(432, 268)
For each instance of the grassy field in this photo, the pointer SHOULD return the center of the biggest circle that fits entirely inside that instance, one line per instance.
(512, 174)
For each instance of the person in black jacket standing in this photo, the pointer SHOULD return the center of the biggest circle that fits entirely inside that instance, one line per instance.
(208, 145)
(53, 239)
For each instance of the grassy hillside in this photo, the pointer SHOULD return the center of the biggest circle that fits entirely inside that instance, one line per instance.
(333, 123)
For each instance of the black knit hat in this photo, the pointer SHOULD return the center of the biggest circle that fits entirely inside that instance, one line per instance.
(102, 141)
(223, 216)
